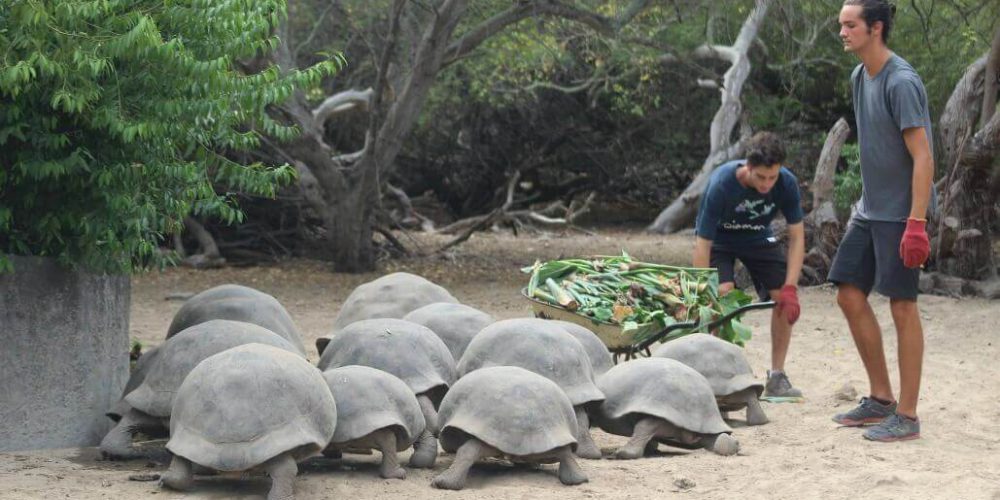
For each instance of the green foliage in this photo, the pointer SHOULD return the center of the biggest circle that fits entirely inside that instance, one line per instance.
(114, 115)
(847, 184)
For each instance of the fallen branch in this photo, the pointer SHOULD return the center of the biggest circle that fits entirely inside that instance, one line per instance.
(208, 255)
(410, 213)
(487, 220)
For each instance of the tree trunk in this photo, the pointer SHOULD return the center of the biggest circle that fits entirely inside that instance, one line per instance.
(346, 195)
(683, 210)
(349, 223)
(965, 249)
(826, 168)
(992, 81)
(823, 229)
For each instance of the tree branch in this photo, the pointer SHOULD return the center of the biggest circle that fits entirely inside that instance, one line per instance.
(682, 210)
(604, 25)
(486, 220)
(822, 185)
(992, 78)
(340, 103)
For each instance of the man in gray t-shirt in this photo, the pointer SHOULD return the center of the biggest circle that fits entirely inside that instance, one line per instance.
(886, 240)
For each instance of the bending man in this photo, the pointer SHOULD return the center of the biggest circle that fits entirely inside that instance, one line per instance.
(734, 222)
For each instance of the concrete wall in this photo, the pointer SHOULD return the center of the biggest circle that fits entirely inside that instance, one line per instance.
(63, 354)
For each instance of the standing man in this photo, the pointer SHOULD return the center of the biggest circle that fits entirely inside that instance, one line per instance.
(886, 241)
(734, 222)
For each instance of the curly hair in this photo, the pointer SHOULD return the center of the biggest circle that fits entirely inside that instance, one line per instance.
(765, 149)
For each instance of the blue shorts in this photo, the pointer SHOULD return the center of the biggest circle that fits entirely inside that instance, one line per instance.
(868, 258)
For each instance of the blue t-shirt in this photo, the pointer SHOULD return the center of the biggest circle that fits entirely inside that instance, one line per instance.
(731, 214)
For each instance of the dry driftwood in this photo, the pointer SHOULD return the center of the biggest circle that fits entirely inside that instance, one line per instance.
(555, 214)
(681, 212)
(963, 240)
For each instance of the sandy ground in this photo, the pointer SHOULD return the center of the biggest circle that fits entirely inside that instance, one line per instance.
(800, 454)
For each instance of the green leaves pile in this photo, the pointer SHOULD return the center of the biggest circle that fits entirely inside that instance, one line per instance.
(622, 291)
(115, 116)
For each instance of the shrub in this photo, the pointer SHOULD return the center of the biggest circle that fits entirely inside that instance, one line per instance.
(847, 183)
(114, 117)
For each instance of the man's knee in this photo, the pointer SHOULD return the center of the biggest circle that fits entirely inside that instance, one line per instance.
(903, 307)
(851, 298)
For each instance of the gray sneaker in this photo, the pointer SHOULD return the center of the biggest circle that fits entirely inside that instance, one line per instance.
(867, 412)
(778, 386)
(895, 427)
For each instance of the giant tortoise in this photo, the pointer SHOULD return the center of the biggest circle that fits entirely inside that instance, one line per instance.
(507, 411)
(390, 296)
(455, 324)
(547, 349)
(374, 410)
(237, 303)
(725, 367)
(148, 405)
(661, 400)
(248, 408)
(407, 350)
(597, 351)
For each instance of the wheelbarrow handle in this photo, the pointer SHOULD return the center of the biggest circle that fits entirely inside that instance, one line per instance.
(691, 324)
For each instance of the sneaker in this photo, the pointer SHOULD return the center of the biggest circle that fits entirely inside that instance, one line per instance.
(868, 411)
(895, 427)
(778, 386)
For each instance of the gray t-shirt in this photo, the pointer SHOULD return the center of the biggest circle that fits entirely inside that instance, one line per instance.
(885, 105)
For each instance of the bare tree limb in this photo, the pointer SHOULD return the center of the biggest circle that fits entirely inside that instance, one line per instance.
(961, 111)
(393, 240)
(320, 19)
(404, 200)
(341, 102)
(822, 185)
(209, 255)
(683, 209)
(992, 80)
(486, 220)
(522, 10)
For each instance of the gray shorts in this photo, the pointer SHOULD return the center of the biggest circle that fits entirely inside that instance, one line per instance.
(868, 258)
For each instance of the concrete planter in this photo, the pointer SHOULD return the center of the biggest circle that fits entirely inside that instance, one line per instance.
(63, 354)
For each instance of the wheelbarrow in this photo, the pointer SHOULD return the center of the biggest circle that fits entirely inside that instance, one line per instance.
(629, 343)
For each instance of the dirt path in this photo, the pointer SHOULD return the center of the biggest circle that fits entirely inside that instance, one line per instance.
(800, 454)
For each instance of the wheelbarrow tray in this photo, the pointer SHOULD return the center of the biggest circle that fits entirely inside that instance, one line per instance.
(638, 338)
(613, 335)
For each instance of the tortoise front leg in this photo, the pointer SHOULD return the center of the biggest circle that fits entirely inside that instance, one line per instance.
(385, 441)
(466, 455)
(721, 444)
(643, 432)
(755, 414)
(569, 471)
(178, 476)
(425, 449)
(585, 446)
(282, 470)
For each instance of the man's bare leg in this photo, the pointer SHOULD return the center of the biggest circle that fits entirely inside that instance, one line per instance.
(864, 328)
(910, 336)
(781, 336)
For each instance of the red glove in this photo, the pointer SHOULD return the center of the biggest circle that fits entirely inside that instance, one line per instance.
(914, 248)
(788, 303)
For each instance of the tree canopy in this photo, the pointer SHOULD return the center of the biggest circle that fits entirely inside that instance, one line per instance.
(115, 114)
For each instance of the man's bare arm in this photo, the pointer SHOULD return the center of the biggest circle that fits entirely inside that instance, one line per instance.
(702, 252)
(923, 170)
(796, 253)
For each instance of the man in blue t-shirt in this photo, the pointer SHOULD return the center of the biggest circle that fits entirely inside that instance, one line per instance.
(734, 222)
